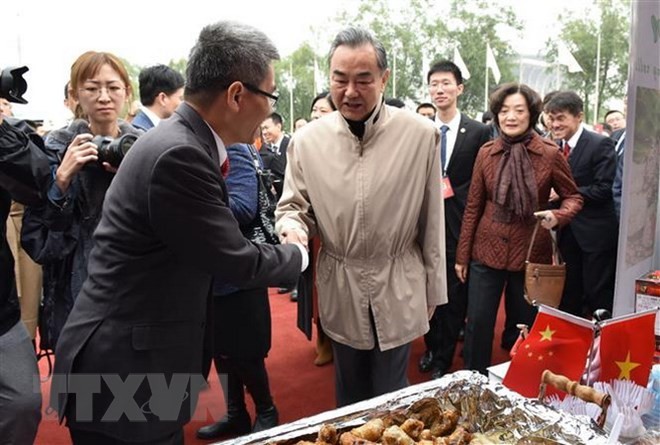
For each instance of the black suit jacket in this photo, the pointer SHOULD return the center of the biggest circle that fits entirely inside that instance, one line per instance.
(593, 165)
(165, 230)
(471, 136)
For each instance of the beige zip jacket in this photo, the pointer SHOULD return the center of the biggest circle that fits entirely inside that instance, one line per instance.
(377, 207)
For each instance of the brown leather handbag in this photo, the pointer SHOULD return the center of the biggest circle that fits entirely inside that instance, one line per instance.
(544, 283)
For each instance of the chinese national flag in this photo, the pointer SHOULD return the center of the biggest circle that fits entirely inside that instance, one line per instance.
(627, 345)
(557, 341)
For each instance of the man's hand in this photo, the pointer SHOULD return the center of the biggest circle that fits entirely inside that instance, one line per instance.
(294, 236)
(547, 218)
(461, 272)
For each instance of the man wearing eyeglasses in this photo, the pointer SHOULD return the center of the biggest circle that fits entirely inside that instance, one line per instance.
(135, 349)
(366, 179)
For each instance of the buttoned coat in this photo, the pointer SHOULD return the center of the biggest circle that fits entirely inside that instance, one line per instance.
(501, 245)
(377, 207)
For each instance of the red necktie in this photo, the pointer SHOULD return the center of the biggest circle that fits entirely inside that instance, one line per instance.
(224, 168)
(566, 150)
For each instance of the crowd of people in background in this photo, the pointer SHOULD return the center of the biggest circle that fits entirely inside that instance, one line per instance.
(126, 252)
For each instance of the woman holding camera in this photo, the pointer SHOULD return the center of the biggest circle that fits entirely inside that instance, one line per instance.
(511, 184)
(58, 234)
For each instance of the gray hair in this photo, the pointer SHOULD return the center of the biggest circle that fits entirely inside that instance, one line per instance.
(354, 37)
(226, 52)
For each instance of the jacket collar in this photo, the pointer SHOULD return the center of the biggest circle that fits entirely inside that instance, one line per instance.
(372, 123)
(200, 128)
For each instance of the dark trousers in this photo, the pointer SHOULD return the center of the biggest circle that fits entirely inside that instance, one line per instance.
(447, 321)
(361, 375)
(235, 374)
(485, 288)
(589, 277)
(82, 437)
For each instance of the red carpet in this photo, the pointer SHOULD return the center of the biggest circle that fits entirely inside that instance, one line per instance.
(299, 388)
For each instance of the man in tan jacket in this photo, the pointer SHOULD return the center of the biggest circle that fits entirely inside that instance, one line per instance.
(366, 179)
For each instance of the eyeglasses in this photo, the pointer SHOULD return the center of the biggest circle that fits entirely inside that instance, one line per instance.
(272, 98)
(94, 92)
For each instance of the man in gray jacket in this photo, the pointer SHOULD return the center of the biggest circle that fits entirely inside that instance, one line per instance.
(367, 179)
(132, 355)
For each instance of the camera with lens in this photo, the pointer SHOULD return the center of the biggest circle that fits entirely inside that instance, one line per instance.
(12, 84)
(112, 150)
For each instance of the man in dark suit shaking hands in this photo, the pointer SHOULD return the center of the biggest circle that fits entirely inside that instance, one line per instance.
(133, 349)
(588, 244)
(461, 138)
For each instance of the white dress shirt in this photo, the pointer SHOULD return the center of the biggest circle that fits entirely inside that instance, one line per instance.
(452, 133)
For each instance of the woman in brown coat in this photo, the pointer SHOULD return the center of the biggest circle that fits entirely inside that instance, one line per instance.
(513, 178)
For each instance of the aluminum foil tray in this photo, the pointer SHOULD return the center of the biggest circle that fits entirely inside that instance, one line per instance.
(499, 413)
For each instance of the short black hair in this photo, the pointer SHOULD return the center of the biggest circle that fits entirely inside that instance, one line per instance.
(607, 127)
(277, 118)
(395, 102)
(487, 116)
(445, 66)
(549, 96)
(565, 101)
(158, 79)
(227, 52)
(424, 105)
(534, 104)
(612, 112)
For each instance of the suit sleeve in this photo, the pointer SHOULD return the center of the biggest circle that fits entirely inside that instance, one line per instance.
(187, 213)
(603, 164)
(431, 229)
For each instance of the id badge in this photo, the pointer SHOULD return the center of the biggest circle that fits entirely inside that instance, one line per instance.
(447, 190)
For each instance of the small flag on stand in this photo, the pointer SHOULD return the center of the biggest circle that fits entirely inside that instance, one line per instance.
(565, 57)
(492, 64)
(458, 60)
(557, 341)
(627, 345)
(319, 81)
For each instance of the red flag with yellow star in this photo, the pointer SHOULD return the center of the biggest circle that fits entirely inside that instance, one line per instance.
(627, 345)
(557, 341)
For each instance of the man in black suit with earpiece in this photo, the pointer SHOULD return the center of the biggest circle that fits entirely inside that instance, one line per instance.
(461, 139)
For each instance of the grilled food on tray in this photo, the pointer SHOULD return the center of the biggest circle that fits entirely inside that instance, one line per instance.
(424, 423)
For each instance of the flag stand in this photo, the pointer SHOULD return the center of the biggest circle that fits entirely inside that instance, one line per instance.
(583, 392)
